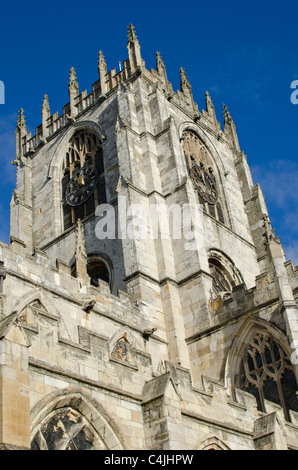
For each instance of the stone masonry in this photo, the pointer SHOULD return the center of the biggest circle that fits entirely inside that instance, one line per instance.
(138, 342)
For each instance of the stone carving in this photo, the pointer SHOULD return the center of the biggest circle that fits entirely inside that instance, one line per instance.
(269, 233)
(120, 350)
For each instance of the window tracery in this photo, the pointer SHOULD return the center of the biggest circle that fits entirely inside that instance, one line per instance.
(225, 275)
(83, 182)
(202, 173)
(66, 429)
(267, 373)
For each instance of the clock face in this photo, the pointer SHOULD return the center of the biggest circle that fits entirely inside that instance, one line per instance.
(81, 185)
(205, 183)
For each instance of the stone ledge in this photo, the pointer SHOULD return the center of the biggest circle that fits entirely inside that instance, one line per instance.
(211, 422)
(124, 363)
(64, 374)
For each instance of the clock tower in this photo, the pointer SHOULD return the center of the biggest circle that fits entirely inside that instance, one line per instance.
(146, 302)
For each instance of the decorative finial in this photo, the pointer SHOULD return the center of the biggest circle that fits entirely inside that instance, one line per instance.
(208, 99)
(131, 33)
(21, 123)
(226, 115)
(46, 105)
(159, 62)
(46, 114)
(230, 128)
(102, 65)
(211, 111)
(184, 82)
(73, 90)
(134, 50)
(102, 71)
(73, 83)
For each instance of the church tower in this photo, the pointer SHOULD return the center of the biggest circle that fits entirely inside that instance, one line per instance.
(145, 299)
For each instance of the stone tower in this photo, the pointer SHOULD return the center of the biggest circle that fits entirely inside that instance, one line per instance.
(145, 299)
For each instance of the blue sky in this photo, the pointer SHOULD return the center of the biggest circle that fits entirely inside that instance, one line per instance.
(243, 53)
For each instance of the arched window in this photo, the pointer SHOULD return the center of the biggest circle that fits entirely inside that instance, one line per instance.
(267, 373)
(66, 429)
(70, 419)
(83, 182)
(224, 273)
(98, 269)
(203, 175)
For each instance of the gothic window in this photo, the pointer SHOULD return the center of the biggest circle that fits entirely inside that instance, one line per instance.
(267, 373)
(224, 273)
(83, 181)
(201, 170)
(221, 281)
(66, 429)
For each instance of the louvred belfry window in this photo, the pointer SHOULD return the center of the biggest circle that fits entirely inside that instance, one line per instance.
(83, 181)
(267, 373)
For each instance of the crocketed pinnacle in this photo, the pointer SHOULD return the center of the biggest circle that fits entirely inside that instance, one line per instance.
(73, 83)
(159, 62)
(101, 60)
(184, 82)
(131, 33)
(21, 123)
(226, 115)
(46, 105)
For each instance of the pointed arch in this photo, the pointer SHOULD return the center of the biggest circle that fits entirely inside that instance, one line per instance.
(234, 357)
(55, 172)
(126, 333)
(71, 419)
(224, 272)
(211, 443)
(39, 296)
(189, 125)
(57, 160)
(36, 295)
(205, 167)
(259, 363)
